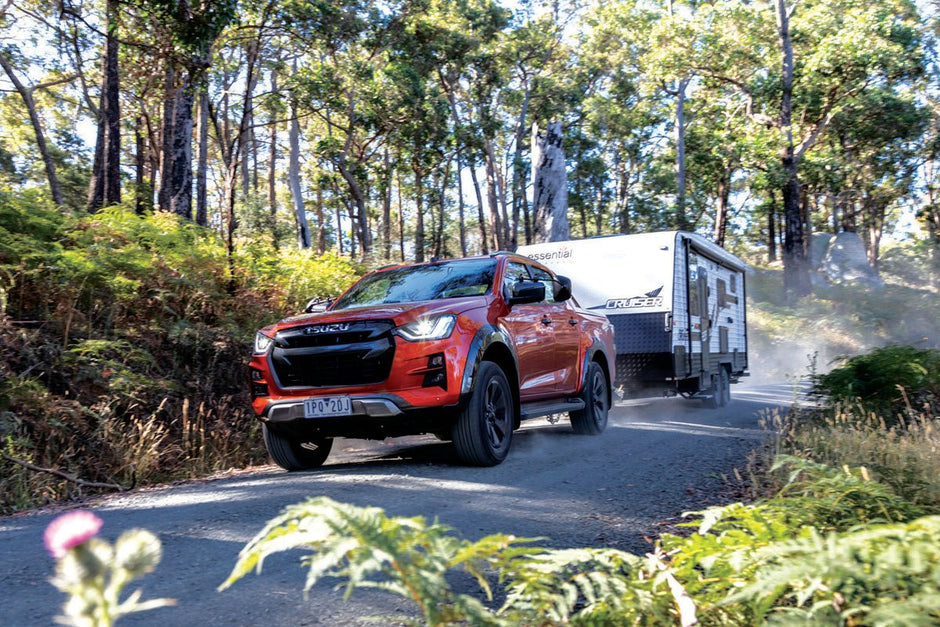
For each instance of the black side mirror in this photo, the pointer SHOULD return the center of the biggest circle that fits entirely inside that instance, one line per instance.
(562, 289)
(316, 305)
(523, 292)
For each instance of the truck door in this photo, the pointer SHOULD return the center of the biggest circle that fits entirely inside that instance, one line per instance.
(530, 327)
(566, 336)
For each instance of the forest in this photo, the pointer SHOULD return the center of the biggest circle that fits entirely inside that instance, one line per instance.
(402, 130)
(174, 174)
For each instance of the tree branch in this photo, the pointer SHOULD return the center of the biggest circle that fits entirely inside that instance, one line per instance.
(62, 475)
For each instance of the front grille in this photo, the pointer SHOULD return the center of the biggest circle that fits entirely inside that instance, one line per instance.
(354, 353)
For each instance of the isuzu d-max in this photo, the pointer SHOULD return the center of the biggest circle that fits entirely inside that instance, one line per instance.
(464, 349)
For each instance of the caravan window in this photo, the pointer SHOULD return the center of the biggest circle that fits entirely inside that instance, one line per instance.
(694, 306)
(722, 294)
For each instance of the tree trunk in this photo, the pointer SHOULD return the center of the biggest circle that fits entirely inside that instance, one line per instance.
(272, 165)
(360, 224)
(518, 170)
(26, 94)
(202, 159)
(419, 208)
(795, 271)
(105, 187)
(143, 195)
(321, 223)
(176, 178)
(386, 206)
(550, 185)
(293, 181)
(401, 220)
(772, 228)
(681, 220)
(496, 225)
(461, 218)
(721, 215)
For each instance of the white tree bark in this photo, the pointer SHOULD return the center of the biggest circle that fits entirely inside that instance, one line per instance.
(550, 185)
(293, 178)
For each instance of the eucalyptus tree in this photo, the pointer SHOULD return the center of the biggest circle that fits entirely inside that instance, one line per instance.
(188, 33)
(105, 187)
(625, 113)
(794, 67)
(465, 33)
(14, 63)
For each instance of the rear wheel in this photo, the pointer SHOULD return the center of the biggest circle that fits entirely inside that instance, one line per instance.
(294, 454)
(592, 420)
(483, 432)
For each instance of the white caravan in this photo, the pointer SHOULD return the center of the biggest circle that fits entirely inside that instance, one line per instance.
(676, 301)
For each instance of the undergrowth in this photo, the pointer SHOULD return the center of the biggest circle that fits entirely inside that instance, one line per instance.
(123, 344)
(858, 556)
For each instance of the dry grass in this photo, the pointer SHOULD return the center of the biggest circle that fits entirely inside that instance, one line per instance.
(904, 456)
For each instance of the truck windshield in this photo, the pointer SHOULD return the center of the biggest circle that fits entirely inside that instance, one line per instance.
(447, 279)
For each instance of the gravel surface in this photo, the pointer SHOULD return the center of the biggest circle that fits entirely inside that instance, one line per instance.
(657, 459)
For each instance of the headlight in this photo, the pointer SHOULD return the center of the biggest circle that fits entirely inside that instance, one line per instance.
(262, 343)
(435, 328)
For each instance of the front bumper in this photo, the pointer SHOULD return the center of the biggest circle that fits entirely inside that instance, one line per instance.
(384, 406)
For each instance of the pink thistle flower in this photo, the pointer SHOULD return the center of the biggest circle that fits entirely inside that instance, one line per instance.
(70, 530)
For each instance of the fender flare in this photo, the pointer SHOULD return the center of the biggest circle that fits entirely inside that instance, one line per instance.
(485, 337)
(596, 347)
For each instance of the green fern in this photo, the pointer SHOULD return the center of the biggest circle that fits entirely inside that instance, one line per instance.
(405, 556)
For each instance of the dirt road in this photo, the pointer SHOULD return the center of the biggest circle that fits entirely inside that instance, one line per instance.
(657, 459)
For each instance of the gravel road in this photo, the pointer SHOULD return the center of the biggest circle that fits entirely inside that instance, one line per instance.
(657, 459)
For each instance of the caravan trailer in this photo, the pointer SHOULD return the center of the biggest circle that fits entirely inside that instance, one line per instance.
(677, 303)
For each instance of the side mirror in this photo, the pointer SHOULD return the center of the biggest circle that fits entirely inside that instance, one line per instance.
(316, 305)
(523, 292)
(562, 289)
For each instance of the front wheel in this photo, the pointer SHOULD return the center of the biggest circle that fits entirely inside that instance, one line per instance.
(592, 420)
(294, 454)
(483, 431)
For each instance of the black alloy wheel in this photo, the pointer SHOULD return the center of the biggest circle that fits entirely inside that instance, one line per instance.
(592, 420)
(483, 432)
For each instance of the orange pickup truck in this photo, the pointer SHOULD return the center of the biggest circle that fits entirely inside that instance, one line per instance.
(464, 349)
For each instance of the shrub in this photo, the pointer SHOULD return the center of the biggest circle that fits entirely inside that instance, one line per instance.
(889, 380)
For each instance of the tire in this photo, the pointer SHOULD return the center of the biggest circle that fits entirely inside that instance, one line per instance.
(592, 420)
(483, 432)
(292, 454)
(720, 390)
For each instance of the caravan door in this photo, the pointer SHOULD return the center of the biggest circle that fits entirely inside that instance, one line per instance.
(699, 320)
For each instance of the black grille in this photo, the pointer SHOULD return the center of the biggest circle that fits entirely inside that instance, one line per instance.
(354, 353)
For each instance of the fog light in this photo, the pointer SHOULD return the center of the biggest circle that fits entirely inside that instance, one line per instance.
(259, 389)
(437, 377)
(256, 375)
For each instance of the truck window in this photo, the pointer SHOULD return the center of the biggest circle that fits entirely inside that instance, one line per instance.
(545, 279)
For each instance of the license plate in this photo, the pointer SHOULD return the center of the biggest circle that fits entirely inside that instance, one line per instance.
(326, 406)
